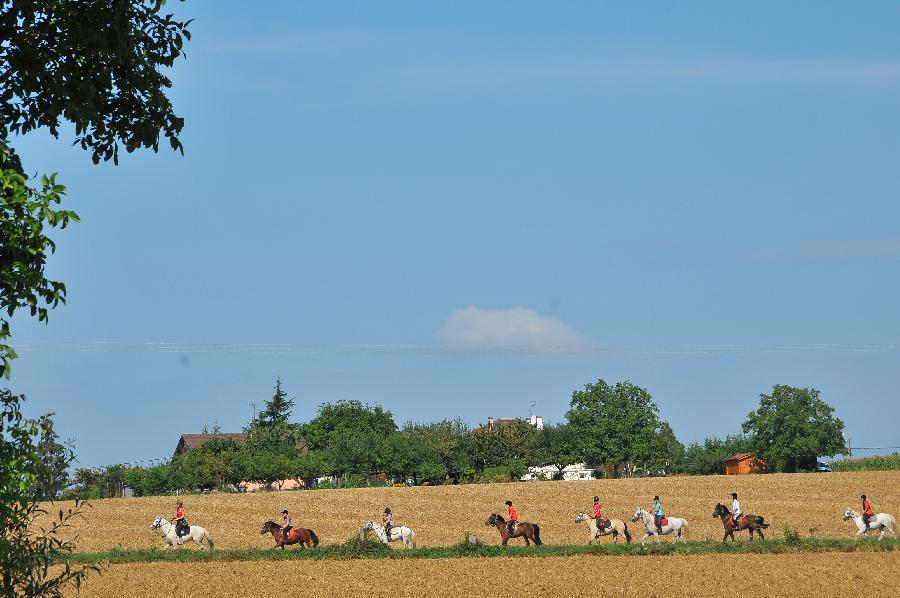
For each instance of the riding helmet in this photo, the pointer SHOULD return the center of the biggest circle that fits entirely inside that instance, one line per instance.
(387, 511)
(863, 497)
(734, 495)
(284, 512)
(596, 499)
(655, 498)
(509, 503)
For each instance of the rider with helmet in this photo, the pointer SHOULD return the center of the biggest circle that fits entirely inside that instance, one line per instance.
(658, 514)
(288, 526)
(513, 517)
(735, 510)
(598, 516)
(388, 521)
(867, 513)
(181, 526)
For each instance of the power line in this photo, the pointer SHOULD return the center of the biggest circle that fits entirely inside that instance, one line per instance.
(427, 350)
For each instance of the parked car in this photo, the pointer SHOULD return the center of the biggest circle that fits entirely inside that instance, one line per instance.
(823, 467)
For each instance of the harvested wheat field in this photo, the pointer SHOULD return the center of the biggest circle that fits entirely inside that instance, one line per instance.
(440, 515)
(830, 574)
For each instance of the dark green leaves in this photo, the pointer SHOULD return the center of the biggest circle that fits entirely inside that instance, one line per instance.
(95, 64)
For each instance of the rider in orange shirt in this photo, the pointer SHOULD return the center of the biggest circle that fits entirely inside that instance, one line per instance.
(513, 517)
(867, 511)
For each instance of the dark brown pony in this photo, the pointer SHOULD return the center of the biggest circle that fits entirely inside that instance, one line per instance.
(754, 523)
(529, 531)
(298, 535)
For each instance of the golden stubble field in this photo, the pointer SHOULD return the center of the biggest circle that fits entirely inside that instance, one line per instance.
(440, 515)
(813, 574)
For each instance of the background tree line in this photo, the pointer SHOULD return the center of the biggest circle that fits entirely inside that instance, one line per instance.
(615, 429)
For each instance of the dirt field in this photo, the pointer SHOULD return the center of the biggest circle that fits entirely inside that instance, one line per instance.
(441, 515)
(829, 574)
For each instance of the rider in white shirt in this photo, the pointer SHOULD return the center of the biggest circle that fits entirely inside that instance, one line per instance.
(735, 509)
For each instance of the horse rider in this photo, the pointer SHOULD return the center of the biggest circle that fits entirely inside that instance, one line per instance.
(513, 517)
(867, 513)
(388, 521)
(288, 526)
(658, 514)
(735, 510)
(598, 516)
(181, 526)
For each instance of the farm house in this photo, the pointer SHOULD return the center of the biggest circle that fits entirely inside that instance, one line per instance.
(744, 463)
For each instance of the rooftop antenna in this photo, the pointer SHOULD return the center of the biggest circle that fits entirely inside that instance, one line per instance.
(254, 409)
(531, 408)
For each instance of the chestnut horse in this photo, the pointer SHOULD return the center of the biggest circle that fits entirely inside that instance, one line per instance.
(298, 535)
(754, 523)
(523, 529)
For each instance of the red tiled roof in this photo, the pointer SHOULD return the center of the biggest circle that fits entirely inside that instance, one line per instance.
(740, 457)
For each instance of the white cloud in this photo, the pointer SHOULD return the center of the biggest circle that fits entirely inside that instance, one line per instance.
(518, 328)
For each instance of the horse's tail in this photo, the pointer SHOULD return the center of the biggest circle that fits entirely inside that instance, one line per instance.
(889, 523)
(209, 540)
(761, 522)
(412, 538)
(627, 535)
(537, 534)
(315, 538)
(684, 526)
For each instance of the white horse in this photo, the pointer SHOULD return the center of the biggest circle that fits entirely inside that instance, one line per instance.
(881, 521)
(673, 524)
(197, 533)
(400, 532)
(616, 527)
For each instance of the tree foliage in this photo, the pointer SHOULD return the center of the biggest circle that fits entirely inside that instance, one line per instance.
(616, 424)
(25, 549)
(793, 426)
(97, 65)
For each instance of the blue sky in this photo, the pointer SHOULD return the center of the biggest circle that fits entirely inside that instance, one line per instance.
(457, 210)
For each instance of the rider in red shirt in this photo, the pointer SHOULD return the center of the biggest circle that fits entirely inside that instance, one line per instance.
(513, 517)
(180, 523)
(867, 511)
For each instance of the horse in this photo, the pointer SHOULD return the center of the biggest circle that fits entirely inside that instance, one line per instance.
(195, 533)
(530, 531)
(754, 523)
(615, 527)
(400, 532)
(670, 524)
(881, 521)
(298, 535)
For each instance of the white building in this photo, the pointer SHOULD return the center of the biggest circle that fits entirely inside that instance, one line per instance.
(576, 471)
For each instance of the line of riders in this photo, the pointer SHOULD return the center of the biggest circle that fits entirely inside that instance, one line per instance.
(512, 527)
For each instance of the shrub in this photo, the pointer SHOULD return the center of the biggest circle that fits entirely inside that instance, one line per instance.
(878, 463)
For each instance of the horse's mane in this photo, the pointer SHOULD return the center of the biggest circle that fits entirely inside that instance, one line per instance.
(272, 524)
(500, 518)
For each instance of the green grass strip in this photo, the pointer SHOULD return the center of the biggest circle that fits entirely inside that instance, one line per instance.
(369, 550)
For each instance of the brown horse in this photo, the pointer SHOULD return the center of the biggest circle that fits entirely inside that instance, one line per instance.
(298, 535)
(523, 529)
(754, 523)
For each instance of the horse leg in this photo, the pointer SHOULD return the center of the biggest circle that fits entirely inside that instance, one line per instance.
(644, 538)
(751, 533)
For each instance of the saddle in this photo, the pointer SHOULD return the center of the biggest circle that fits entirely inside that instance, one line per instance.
(664, 522)
(740, 520)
